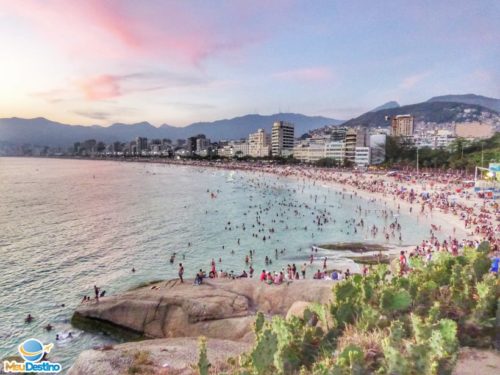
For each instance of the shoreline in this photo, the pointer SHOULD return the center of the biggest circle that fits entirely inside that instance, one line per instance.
(252, 168)
(343, 181)
(448, 223)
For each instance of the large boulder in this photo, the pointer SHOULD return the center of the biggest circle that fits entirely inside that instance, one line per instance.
(160, 356)
(219, 308)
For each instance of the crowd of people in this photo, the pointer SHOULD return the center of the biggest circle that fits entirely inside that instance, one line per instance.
(473, 218)
(466, 218)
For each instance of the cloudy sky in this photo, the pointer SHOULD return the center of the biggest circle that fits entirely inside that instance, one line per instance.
(177, 62)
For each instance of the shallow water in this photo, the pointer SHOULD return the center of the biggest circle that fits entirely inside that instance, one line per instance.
(66, 225)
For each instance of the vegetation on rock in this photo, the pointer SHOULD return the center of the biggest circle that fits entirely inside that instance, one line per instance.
(203, 363)
(412, 324)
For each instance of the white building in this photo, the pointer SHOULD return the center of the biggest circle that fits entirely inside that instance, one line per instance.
(362, 156)
(282, 139)
(234, 149)
(240, 148)
(443, 141)
(259, 144)
(335, 150)
(309, 152)
(301, 152)
(435, 138)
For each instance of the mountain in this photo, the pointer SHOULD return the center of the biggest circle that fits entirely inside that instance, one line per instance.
(41, 131)
(239, 127)
(388, 105)
(438, 112)
(484, 101)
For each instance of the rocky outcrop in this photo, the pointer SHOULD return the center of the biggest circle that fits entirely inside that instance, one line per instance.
(220, 308)
(473, 361)
(160, 356)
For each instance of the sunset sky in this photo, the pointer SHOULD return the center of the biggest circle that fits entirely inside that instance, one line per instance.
(177, 62)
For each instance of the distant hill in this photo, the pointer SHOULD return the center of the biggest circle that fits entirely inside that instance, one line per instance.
(437, 111)
(388, 105)
(240, 127)
(484, 101)
(40, 131)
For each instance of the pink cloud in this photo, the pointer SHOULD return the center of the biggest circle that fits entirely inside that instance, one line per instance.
(311, 74)
(101, 87)
(111, 29)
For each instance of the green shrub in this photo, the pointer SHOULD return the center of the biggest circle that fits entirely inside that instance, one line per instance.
(203, 363)
(410, 324)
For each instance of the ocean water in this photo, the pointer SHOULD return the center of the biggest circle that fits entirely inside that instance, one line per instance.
(66, 225)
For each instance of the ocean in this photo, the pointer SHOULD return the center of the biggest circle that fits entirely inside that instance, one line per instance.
(67, 225)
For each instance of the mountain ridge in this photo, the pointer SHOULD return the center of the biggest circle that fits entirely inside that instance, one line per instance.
(42, 131)
(388, 105)
(436, 111)
(484, 101)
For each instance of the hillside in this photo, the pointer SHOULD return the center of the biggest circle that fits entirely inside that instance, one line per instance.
(484, 101)
(438, 112)
(41, 131)
(388, 105)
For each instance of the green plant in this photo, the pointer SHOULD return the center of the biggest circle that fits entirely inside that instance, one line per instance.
(203, 363)
(393, 300)
(409, 324)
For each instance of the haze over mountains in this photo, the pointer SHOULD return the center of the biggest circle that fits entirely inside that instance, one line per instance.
(40, 131)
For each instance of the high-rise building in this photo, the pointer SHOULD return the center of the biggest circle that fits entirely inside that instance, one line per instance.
(191, 145)
(351, 137)
(258, 144)
(338, 133)
(141, 144)
(282, 138)
(197, 144)
(402, 126)
(202, 144)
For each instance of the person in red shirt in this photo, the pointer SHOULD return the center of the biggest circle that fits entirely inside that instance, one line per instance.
(402, 263)
(263, 276)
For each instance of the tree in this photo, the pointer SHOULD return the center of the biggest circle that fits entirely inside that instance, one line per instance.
(327, 163)
(347, 163)
(393, 150)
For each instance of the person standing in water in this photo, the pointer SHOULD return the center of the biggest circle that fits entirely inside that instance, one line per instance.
(181, 272)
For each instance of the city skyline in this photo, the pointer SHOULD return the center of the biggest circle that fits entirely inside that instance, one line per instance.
(99, 62)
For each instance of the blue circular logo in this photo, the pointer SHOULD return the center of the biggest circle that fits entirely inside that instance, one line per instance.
(32, 350)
